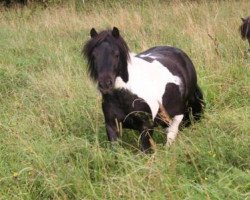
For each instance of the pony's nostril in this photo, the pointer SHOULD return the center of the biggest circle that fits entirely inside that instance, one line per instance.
(105, 85)
(109, 83)
(101, 85)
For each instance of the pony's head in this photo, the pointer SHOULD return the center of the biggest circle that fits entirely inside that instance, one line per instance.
(245, 28)
(107, 55)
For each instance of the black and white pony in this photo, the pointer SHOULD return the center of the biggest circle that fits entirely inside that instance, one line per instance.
(140, 91)
(245, 29)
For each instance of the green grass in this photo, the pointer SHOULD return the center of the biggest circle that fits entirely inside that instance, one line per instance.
(53, 143)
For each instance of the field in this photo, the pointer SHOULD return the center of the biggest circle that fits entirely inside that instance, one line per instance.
(53, 143)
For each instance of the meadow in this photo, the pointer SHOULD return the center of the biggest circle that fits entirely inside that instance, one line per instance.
(53, 143)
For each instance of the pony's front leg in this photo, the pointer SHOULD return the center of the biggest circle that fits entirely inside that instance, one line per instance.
(113, 116)
(112, 133)
(173, 129)
(146, 128)
(143, 123)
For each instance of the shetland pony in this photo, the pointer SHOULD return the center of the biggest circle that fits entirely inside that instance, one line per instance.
(245, 29)
(155, 87)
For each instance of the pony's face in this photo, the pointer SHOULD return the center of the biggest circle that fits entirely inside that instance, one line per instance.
(106, 64)
(107, 55)
(245, 28)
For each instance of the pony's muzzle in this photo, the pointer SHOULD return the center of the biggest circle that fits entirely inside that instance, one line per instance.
(105, 85)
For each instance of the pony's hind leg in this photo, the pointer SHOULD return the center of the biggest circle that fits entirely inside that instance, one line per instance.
(173, 104)
(173, 129)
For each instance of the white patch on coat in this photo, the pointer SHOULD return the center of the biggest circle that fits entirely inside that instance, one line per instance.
(149, 55)
(148, 81)
(132, 54)
(172, 130)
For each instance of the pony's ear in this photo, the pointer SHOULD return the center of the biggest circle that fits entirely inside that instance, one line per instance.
(93, 33)
(243, 20)
(115, 32)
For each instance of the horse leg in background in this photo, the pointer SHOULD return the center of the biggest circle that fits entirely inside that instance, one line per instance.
(172, 130)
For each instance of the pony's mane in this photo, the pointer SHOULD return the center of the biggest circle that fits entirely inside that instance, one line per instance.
(105, 36)
(245, 29)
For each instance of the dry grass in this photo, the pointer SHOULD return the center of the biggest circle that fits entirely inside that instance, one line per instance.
(52, 135)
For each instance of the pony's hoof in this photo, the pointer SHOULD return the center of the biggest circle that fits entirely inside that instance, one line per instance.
(169, 142)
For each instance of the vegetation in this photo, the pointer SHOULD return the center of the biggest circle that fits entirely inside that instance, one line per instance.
(53, 143)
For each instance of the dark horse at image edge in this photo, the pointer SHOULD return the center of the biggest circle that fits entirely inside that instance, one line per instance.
(140, 91)
(245, 29)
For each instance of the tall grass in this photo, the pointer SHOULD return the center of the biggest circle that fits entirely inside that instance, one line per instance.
(53, 143)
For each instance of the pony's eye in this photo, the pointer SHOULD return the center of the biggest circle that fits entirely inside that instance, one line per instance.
(94, 53)
(116, 55)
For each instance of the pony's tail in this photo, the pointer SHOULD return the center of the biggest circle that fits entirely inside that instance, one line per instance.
(195, 106)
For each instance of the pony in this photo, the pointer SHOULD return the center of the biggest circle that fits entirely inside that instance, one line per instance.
(245, 29)
(145, 90)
